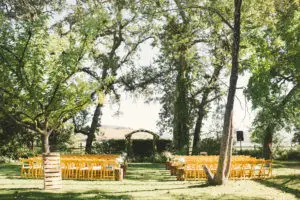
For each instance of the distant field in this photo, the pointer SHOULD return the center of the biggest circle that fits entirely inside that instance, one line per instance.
(152, 181)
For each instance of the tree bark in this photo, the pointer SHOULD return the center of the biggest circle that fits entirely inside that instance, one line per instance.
(198, 127)
(91, 133)
(32, 144)
(46, 146)
(219, 177)
(210, 176)
(229, 153)
(89, 143)
(268, 140)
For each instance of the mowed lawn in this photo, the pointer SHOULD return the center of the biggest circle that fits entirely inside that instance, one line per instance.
(152, 181)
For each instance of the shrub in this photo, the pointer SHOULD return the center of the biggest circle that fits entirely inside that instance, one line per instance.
(159, 158)
(258, 153)
(166, 155)
(109, 146)
(60, 139)
(293, 154)
(210, 145)
(142, 149)
(288, 154)
(280, 154)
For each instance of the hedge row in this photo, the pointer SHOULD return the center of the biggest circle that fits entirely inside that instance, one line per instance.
(140, 147)
(143, 148)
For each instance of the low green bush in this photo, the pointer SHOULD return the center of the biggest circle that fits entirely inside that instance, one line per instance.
(288, 154)
(15, 152)
(159, 158)
(294, 154)
(257, 153)
(210, 145)
(142, 149)
(109, 146)
(166, 155)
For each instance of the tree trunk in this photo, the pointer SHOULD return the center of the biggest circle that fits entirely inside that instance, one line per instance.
(91, 133)
(197, 132)
(219, 177)
(32, 144)
(181, 108)
(89, 143)
(268, 142)
(46, 146)
(229, 153)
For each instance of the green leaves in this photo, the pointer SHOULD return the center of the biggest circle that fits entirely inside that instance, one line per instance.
(40, 69)
(274, 84)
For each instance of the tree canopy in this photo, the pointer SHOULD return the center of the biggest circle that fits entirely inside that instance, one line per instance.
(40, 84)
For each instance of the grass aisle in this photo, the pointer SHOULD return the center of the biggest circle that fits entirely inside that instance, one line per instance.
(152, 181)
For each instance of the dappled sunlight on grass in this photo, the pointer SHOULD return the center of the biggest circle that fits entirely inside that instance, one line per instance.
(283, 168)
(151, 181)
(151, 171)
(34, 194)
(286, 183)
(10, 170)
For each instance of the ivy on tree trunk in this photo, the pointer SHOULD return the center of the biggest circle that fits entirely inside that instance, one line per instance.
(181, 108)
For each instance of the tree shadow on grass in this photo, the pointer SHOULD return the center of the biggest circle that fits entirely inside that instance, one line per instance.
(236, 197)
(192, 195)
(286, 164)
(146, 176)
(27, 194)
(150, 190)
(148, 171)
(205, 184)
(10, 170)
(283, 183)
(146, 165)
(184, 187)
(211, 197)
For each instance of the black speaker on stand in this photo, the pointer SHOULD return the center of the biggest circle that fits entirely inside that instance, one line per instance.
(240, 137)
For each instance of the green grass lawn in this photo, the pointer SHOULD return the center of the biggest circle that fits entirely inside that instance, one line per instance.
(152, 181)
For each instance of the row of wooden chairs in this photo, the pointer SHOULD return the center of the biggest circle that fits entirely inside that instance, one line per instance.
(32, 167)
(83, 167)
(89, 169)
(242, 167)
